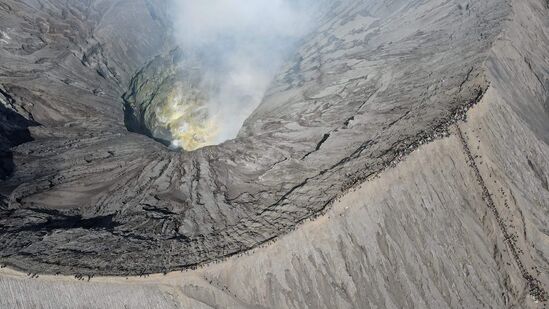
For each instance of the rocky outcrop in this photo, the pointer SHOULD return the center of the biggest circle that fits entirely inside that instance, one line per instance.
(460, 222)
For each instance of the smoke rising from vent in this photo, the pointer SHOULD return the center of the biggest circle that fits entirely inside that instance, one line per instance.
(241, 44)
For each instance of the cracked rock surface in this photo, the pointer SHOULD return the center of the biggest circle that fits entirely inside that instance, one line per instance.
(375, 80)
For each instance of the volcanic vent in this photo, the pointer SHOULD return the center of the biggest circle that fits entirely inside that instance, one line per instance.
(168, 101)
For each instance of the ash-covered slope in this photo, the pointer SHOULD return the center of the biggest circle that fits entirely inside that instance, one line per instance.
(373, 82)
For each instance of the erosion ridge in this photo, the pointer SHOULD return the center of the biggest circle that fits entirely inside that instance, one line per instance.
(372, 82)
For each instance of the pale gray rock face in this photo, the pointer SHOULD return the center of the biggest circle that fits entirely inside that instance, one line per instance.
(371, 83)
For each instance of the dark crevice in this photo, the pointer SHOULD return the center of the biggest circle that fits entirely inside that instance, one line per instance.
(348, 122)
(318, 145)
(62, 222)
(466, 79)
(162, 211)
(539, 174)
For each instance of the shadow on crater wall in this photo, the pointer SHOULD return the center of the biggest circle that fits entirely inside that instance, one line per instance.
(136, 124)
(13, 131)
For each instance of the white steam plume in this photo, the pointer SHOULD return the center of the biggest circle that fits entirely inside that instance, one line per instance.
(245, 42)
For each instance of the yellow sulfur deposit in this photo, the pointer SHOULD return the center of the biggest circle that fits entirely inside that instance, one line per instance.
(188, 119)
